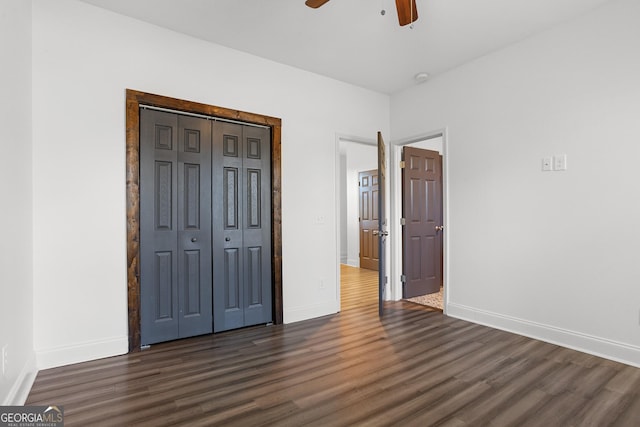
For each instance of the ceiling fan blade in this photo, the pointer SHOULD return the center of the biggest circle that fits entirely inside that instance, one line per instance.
(315, 3)
(407, 12)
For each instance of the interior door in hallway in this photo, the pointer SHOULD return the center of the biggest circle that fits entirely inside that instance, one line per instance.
(382, 224)
(422, 213)
(368, 202)
(241, 228)
(175, 226)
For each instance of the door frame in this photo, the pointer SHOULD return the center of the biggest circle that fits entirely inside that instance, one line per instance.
(396, 213)
(133, 101)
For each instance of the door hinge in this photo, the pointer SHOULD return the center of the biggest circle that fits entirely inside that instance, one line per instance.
(402, 164)
(403, 278)
(403, 221)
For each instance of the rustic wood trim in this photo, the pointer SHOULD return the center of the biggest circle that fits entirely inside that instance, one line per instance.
(133, 100)
(276, 221)
(133, 219)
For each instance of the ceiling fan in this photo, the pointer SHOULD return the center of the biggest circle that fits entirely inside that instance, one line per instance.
(407, 12)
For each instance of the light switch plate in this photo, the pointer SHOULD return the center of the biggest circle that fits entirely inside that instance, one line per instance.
(560, 162)
(547, 164)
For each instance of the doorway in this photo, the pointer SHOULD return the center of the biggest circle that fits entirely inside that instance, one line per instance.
(435, 141)
(421, 221)
(136, 99)
(353, 155)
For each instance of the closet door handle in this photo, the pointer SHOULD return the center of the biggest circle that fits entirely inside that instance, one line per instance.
(193, 239)
(227, 239)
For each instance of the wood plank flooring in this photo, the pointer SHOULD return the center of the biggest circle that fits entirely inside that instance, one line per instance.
(415, 367)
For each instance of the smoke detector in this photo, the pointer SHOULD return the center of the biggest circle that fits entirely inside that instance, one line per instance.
(421, 77)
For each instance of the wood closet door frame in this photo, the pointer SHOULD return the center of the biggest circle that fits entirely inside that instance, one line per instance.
(134, 99)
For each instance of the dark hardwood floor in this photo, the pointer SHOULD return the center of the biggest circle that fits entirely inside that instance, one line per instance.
(413, 367)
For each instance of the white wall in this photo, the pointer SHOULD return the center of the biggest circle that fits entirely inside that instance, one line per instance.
(16, 281)
(84, 58)
(433, 144)
(548, 254)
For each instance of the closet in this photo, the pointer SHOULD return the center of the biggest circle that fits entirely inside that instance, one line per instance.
(205, 225)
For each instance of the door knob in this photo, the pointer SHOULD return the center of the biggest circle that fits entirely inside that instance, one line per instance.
(193, 239)
(227, 239)
(380, 233)
(439, 227)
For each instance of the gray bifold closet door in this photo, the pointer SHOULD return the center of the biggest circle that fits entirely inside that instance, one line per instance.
(205, 226)
(175, 226)
(241, 226)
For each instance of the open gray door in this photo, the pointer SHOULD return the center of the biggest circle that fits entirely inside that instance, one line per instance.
(382, 224)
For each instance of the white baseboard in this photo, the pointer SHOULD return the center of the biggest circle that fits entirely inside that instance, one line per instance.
(353, 262)
(22, 386)
(81, 352)
(597, 346)
(310, 312)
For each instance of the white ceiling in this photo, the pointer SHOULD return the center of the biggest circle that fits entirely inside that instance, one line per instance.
(350, 40)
